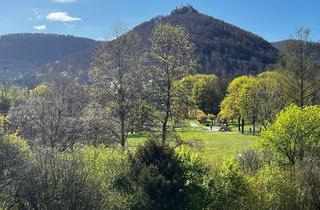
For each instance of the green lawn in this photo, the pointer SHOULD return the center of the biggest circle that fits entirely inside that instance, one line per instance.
(214, 146)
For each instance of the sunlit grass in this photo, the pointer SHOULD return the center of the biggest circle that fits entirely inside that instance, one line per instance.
(214, 146)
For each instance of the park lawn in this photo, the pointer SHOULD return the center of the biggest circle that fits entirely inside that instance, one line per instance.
(213, 146)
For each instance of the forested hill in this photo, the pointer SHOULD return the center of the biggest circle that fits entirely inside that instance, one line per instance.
(280, 45)
(222, 48)
(22, 54)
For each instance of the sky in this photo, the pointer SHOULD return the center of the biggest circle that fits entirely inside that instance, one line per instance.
(273, 20)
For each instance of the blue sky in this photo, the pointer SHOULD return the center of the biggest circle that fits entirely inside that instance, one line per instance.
(272, 19)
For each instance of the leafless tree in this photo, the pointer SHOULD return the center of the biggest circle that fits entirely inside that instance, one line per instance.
(301, 68)
(51, 115)
(117, 80)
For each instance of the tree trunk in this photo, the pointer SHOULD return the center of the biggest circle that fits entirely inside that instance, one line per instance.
(164, 128)
(301, 92)
(123, 136)
(239, 124)
(167, 115)
(242, 125)
(254, 126)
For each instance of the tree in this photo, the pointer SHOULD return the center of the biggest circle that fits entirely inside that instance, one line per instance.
(310, 182)
(202, 91)
(300, 66)
(201, 116)
(294, 135)
(271, 97)
(172, 58)
(249, 100)
(116, 80)
(51, 115)
(255, 99)
(230, 105)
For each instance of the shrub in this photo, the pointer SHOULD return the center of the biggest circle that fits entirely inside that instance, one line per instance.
(55, 180)
(250, 161)
(273, 189)
(13, 156)
(158, 172)
(161, 177)
(310, 183)
(196, 191)
(228, 187)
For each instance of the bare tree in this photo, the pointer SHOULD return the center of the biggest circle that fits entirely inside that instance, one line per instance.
(116, 80)
(51, 115)
(302, 70)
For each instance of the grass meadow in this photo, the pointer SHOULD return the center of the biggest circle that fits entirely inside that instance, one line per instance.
(214, 146)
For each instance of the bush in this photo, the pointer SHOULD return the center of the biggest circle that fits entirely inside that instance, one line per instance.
(13, 156)
(228, 188)
(271, 188)
(161, 177)
(105, 165)
(54, 180)
(158, 172)
(310, 183)
(235, 187)
(250, 161)
(197, 173)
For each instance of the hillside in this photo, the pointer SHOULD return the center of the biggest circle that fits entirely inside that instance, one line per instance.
(281, 44)
(22, 54)
(222, 48)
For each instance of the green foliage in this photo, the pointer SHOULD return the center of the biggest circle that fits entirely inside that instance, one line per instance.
(201, 116)
(271, 97)
(39, 89)
(233, 184)
(172, 57)
(10, 96)
(230, 106)
(248, 99)
(255, 99)
(271, 188)
(202, 91)
(295, 134)
(105, 165)
(157, 170)
(196, 191)
(13, 156)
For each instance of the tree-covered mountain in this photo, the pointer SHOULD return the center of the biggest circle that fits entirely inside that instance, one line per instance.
(222, 49)
(22, 54)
